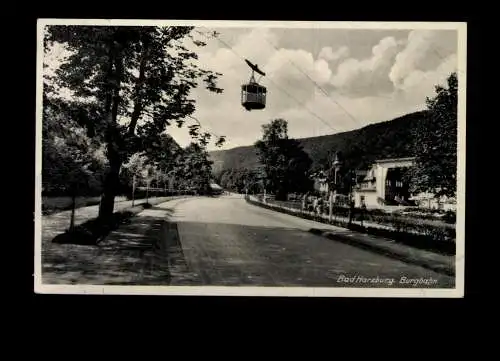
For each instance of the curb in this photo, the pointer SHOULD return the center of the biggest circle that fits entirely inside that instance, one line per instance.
(401, 255)
(386, 251)
(138, 208)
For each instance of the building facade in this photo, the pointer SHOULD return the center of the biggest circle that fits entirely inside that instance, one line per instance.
(321, 182)
(384, 184)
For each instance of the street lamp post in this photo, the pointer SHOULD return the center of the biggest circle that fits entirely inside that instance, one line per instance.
(133, 190)
(336, 167)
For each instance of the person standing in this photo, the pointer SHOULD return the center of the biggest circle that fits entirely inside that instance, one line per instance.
(304, 202)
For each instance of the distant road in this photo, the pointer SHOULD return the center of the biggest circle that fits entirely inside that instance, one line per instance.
(225, 241)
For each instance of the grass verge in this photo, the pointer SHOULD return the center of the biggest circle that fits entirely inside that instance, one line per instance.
(93, 231)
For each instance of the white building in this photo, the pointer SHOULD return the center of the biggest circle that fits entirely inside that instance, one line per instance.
(384, 184)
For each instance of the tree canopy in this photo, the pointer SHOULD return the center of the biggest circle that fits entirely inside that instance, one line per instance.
(360, 147)
(435, 144)
(194, 168)
(73, 162)
(285, 164)
(127, 85)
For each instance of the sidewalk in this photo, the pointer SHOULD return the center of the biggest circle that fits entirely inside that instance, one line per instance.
(325, 217)
(58, 223)
(436, 262)
(388, 247)
(131, 254)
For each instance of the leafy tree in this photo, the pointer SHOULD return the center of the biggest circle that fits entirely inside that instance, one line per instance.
(195, 167)
(136, 82)
(285, 164)
(72, 163)
(164, 157)
(237, 180)
(436, 144)
(134, 168)
(252, 182)
(360, 147)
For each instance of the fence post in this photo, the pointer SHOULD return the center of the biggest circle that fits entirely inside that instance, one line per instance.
(133, 190)
(73, 208)
(351, 210)
(330, 202)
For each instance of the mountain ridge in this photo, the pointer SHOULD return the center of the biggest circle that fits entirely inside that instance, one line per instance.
(359, 147)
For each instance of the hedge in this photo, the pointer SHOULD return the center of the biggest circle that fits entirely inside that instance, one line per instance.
(439, 238)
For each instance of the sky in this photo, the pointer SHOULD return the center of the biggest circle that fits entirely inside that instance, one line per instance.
(322, 81)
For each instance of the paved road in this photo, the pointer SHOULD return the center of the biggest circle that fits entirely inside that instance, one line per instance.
(225, 241)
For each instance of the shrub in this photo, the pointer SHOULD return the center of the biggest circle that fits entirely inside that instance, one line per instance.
(450, 217)
(418, 233)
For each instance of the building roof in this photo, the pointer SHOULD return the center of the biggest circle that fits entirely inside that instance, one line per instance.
(361, 190)
(215, 186)
(389, 160)
(319, 174)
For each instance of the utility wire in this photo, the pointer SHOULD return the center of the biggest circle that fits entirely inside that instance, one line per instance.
(201, 126)
(216, 35)
(318, 86)
(279, 87)
(433, 49)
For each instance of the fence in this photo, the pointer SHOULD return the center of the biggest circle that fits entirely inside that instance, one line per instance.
(420, 233)
(54, 204)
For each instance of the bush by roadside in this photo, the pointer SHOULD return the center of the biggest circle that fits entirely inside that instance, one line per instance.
(418, 234)
(397, 220)
(54, 204)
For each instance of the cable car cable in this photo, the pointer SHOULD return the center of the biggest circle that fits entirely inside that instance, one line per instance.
(293, 64)
(286, 93)
(333, 100)
(201, 126)
(318, 86)
(302, 104)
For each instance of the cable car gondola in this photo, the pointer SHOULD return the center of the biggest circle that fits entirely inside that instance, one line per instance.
(253, 95)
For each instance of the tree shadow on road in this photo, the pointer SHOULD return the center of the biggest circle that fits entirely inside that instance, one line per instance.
(130, 255)
(93, 231)
(168, 210)
(149, 250)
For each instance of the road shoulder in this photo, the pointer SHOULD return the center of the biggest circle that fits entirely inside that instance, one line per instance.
(436, 262)
(131, 254)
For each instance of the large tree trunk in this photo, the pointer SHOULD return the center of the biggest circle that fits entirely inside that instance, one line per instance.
(138, 106)
(73, 208)
(111, 184)
(112, 179)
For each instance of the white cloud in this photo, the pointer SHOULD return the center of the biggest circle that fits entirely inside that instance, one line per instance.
(392, 80)
(328, 54)
(368, 76)
(291, 75)
(423, 82)
(421, 52)
(293, 64)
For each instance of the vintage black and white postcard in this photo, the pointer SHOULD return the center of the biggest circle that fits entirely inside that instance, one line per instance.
(250, 158)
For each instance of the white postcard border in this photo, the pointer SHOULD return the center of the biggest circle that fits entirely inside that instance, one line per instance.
(456, 292)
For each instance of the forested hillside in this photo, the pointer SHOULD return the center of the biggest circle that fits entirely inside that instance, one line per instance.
(359, 148)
